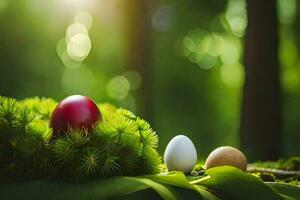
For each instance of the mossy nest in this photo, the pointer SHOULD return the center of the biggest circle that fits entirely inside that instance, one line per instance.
(122, 145)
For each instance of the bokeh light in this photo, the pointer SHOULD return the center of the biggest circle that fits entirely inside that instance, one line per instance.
(118, 87)
(69, 62)
(200, 47)
(78, 42)
(61, 50)
(209, 49)
(75, 29)
(79, 46)
(61, 47)
(231, 49)
(232, 75)
(76, 5)
(134, 79)
(197, 41)
(236, 15)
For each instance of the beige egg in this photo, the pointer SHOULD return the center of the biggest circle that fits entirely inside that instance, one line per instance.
(226, 155)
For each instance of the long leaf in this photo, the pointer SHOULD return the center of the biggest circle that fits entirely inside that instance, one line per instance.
(101, 189)
(237, 184)
(290, 190)
(164, 191)
(178, 179)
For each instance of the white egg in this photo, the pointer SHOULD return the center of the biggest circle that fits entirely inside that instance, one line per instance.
(180, 154)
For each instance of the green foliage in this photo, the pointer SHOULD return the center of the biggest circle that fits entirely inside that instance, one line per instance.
(226, 183)
(22, 140)
(43, 107)
(122, 144)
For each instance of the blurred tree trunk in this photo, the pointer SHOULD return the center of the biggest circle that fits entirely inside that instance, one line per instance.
(261, 107)
(139, 50)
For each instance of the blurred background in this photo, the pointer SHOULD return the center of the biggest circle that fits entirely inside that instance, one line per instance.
(178, 64)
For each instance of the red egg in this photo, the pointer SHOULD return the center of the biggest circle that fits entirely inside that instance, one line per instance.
(75, 111)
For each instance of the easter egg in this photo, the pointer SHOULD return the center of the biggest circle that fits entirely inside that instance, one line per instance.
(226, 155)
(180, 154)
(75, 111)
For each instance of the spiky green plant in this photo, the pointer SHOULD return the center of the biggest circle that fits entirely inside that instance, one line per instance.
(122, 144)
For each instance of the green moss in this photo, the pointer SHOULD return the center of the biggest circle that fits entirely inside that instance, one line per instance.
(292, 163)
(289, 164)
(123, 144)
(265, 176)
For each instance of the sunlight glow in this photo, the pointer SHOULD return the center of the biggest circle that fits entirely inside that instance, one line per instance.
(75, 5)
